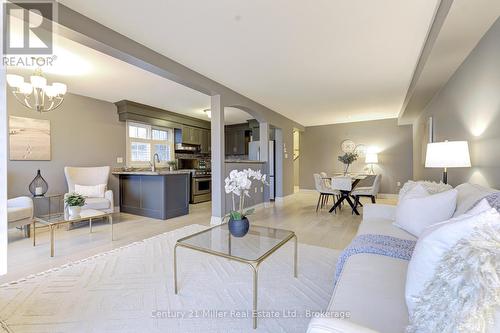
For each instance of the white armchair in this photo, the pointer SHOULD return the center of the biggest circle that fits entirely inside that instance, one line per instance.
(20, 213)
(91, 176)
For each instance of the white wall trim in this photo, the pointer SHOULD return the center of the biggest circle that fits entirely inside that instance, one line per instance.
(116, 209)
(307, 190)
(215, 220)
(387, 196)
(281, 200)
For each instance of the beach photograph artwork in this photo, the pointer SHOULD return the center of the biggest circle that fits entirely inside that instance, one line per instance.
(29, 139)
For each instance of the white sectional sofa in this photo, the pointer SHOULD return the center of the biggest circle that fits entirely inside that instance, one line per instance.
(372, 287)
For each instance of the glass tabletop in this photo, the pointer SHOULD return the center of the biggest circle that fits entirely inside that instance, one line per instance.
(57, 218)
(257, 243)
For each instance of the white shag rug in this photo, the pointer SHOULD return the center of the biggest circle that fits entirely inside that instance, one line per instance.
(130, 289)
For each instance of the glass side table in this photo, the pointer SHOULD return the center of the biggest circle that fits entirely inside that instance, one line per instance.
(49, 205)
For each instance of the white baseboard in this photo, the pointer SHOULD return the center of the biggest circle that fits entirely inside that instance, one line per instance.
(387, 196)
(281, 200)
(215, 220)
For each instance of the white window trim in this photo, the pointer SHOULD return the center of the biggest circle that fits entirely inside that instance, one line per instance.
(150, 141)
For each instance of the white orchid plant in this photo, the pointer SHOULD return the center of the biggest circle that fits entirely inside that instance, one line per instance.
(238, 184)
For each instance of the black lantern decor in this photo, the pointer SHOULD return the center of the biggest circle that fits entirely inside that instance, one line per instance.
(38, 187)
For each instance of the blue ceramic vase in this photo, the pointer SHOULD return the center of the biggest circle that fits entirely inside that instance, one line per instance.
(238, 228)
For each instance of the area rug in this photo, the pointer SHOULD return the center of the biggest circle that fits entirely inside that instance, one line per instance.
(130, 289)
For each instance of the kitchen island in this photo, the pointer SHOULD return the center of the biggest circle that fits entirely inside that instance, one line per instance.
(160, 195)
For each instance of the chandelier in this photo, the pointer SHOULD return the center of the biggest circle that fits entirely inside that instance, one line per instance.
(37, 94)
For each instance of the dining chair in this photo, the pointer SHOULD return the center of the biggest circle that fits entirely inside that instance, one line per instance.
(328, 183)
(324, 191)
(365, 190)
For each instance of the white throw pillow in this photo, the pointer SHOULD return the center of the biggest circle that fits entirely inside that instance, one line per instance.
(417, 210)
(93, 191)
(434, 243)
(431, 187)
(482, 206)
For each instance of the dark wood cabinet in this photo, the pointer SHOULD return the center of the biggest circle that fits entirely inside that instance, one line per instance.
(206, 141)
(194, 135)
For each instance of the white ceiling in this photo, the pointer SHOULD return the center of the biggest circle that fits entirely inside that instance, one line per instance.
(317, 62)
(90, 73)
(465, 24)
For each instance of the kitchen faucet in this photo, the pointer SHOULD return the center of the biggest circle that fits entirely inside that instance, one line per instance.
(156, 157)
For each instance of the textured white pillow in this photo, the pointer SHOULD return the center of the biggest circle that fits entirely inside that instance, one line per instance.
(434, 243)
(431, 187)
(417, 211)
(93, 191)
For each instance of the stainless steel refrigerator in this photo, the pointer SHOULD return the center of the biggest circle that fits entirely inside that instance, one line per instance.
(254, 155)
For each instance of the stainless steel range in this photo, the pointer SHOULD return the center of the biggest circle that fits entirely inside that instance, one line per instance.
(201, 185)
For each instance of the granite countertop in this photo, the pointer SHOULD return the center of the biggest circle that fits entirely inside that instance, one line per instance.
(245, 161)
(151, 173)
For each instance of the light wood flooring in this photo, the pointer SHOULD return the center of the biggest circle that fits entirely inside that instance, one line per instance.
(297, 213)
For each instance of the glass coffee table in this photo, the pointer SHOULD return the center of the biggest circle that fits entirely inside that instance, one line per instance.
(252, 249)
(53, 220)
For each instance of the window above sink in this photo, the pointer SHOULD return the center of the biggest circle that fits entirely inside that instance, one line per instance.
(143, 141)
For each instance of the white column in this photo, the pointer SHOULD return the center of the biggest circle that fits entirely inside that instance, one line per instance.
(264, 153)
(279, 152)
(218, 158)
(3, 161)
(264, 141)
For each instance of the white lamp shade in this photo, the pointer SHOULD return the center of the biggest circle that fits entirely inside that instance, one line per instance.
(38, 81)
(26, 88)
(448, 154)
(15, 81)
(60, 88)
(371, 158)
(50, 91)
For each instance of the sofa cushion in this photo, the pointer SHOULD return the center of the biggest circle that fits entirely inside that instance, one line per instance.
(468, 195)
(382, 226)
(372, 288)
(18, 213)
(97, 203)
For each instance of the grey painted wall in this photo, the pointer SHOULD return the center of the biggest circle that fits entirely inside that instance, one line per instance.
(84, 132)
(320, 147)
(468, 108)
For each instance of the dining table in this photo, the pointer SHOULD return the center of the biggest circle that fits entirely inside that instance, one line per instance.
(346, 195)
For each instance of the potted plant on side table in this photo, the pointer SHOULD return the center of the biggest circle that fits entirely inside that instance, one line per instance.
(238, 184)
(75, 202)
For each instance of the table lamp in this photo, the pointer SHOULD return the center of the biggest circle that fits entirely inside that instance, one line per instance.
(447, 154)
(371, 158)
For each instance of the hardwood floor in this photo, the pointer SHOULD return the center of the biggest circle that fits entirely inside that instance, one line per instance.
(297, 213)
